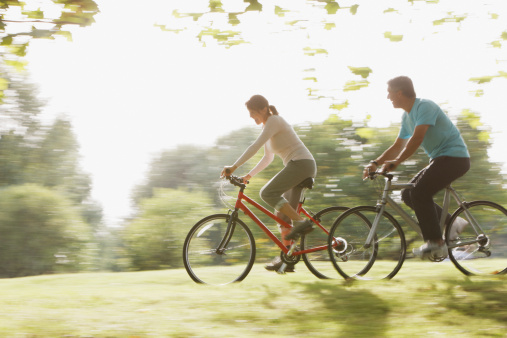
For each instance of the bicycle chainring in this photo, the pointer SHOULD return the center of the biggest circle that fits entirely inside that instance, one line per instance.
(290, 259)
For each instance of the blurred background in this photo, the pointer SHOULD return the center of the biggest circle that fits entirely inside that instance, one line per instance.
(117, 117)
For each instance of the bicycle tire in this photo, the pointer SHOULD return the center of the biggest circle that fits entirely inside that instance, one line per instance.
(205, 265)
(318, 262)
(381, 260)
(488, 256)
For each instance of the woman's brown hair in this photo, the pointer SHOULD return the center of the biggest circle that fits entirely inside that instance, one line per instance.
(259, 102)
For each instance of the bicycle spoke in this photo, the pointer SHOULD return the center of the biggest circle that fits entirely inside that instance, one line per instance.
(201, 259)
(480, 249)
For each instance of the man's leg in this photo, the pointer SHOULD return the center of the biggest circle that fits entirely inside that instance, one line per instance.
(436, 176)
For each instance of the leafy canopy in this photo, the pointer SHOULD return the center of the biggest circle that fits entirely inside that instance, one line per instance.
(22, 21)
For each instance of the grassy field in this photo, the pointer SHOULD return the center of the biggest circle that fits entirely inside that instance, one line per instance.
(424, 299)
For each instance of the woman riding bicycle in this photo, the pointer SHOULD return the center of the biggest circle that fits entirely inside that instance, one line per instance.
(282, 191)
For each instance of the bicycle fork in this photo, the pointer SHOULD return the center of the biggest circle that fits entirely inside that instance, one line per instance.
(231, 225)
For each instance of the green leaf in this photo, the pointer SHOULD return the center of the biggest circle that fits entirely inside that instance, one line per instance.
(65, 34)
(254, 6)
(355, 85)
(339, 106)
(329, 25)
(19, 66)
(332, 7)
(353, 9)
(18, 50)
(215, 6)
(364, 72)
(7, 40)
(41, 33)
(280, 11)
(37, 15)
(496, 44)
(449, 19)
(478, 93)
(313, 51)
(482, 79)
(233, 19)
(393, 38)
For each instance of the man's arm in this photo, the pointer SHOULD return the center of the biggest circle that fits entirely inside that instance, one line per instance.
(409, 149)
(391, 152)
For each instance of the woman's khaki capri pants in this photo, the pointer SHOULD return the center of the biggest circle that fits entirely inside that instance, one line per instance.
(283, 188)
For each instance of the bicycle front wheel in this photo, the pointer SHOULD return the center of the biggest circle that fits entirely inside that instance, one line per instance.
(318, 261)
(205, 264)
(481, 250)
(380, 259)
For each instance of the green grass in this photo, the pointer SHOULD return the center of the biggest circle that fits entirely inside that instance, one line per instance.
(424, 299)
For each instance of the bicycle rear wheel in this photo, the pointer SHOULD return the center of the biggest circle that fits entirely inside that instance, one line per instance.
(318, 262)
(205, 264)
(485, 251)
(382, 259)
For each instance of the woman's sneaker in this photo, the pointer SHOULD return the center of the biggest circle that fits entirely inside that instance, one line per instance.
(457, 228)
(276, 264)
(299, 228)
(431, 250)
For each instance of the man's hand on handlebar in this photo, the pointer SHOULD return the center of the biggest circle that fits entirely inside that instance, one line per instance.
(389, 166)
(386, 167)
(370, 168)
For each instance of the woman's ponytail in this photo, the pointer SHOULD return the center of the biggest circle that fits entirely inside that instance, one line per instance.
(273, 110)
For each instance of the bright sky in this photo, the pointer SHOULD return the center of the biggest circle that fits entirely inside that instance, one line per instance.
(132, 90)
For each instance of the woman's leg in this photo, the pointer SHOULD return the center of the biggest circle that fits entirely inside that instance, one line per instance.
(282, 191)
(288, 178)
(293, 197)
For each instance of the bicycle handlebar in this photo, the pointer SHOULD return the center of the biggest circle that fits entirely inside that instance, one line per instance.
(374, 174)
(235, 180)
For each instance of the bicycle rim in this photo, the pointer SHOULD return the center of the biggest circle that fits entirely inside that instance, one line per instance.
(318, 262)
(200, 257)
(483, 252)
(382, 259)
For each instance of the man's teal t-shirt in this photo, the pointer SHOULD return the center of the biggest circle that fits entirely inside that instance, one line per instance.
(442, 137)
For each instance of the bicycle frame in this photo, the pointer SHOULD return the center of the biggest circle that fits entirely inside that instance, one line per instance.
(240, 205)
(387, 200)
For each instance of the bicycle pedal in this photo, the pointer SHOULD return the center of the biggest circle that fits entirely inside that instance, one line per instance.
(281, 271)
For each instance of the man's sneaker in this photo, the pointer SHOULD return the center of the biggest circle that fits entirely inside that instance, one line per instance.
(299, 228)
(276, 264)
(431, 250)
(457, 228)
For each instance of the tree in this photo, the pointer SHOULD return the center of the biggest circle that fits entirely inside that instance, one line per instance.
(187, 167)
(42, 232)
(22, 21)
(154, 239)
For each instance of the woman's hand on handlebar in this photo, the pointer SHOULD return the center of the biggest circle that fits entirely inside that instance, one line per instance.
(228, 170)
(246, 179)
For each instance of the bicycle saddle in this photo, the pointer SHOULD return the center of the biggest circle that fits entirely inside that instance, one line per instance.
(307, 183)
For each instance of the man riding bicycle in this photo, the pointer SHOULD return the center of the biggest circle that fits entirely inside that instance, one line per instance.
(425, 124)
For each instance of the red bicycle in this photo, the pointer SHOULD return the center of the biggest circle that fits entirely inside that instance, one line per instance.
(220, 248)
